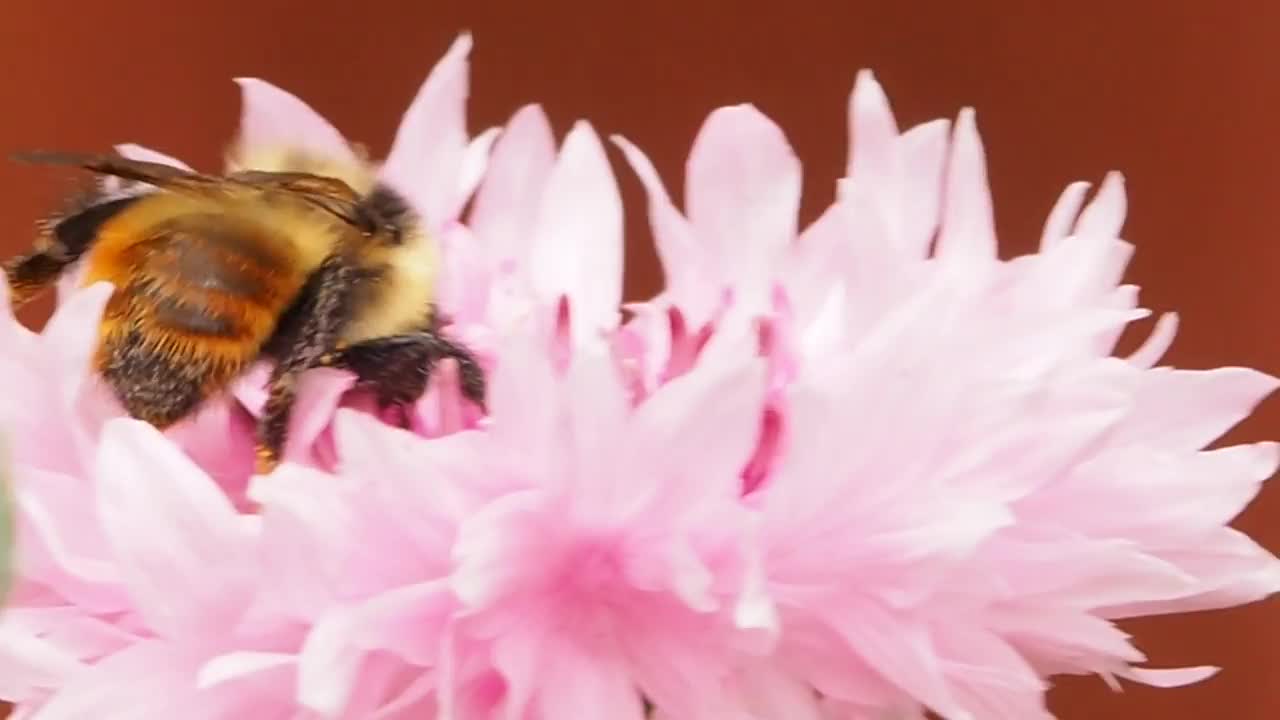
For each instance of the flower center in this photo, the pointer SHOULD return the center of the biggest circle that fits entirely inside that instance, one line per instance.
(592, 568)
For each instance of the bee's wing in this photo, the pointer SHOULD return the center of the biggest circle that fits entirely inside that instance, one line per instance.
(175, 178)
(156, 174)
(326, 193)
(329, 194)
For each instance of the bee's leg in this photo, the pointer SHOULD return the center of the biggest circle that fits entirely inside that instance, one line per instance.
(398, 367)
(63, 241)
(318, 321)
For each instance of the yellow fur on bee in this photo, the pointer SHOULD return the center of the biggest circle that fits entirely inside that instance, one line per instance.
(356, 172)
(404, 297)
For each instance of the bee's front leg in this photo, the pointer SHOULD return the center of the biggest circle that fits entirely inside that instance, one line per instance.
(397, 368)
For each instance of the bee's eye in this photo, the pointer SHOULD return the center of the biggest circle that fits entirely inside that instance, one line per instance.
(367, 222)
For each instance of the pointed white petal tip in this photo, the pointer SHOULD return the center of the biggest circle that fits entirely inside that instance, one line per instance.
(581, 126)
(463, 42)
(1268, 461)
(247, 83)
(528, 110)
(744, 108)
(867, 88)
(1157, 343)
(1112, 178)
(582, 131)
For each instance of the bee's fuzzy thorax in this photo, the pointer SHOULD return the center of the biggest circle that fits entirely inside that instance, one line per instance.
(406, 271)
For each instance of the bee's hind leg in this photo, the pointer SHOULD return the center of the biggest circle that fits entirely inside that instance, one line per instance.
(315, 327)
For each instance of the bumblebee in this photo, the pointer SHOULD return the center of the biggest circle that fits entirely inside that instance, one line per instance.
(282, 257)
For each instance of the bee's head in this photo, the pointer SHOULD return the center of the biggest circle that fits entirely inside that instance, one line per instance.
(389, 215)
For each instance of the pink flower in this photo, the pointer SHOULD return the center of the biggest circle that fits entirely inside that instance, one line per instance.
(981, 474)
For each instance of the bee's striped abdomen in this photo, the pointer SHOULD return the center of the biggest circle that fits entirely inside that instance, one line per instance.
(219, 284)
(201, 297)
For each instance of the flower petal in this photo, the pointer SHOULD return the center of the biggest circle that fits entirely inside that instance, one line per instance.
(113, 187)
(689, 275)
(62, 545)
(219, 436)
(575, 684)
(407, 622)
(235, 665)
(873, 131)
(426, 157)
(489, 544)
(119, 685)
(507, 202)
(475, 160)
(71, 334)
(7, 532)
(320, 391)
(1169, 678)
(183, 548)
(389, 462)
(697, 432)
(154, 678)
(1191, 408)
(773, 694)
(1105, 215)
(743, 195)
(138, 152)
(1156, 344)
(924, 162)
(577, 248)
(273, 118)
(31, 664)
(968, 223)
(903, 652)
(1063, 215)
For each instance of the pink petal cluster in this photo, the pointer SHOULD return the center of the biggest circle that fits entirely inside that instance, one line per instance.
(858, 470)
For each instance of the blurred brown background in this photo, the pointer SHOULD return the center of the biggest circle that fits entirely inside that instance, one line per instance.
(1183, 99)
